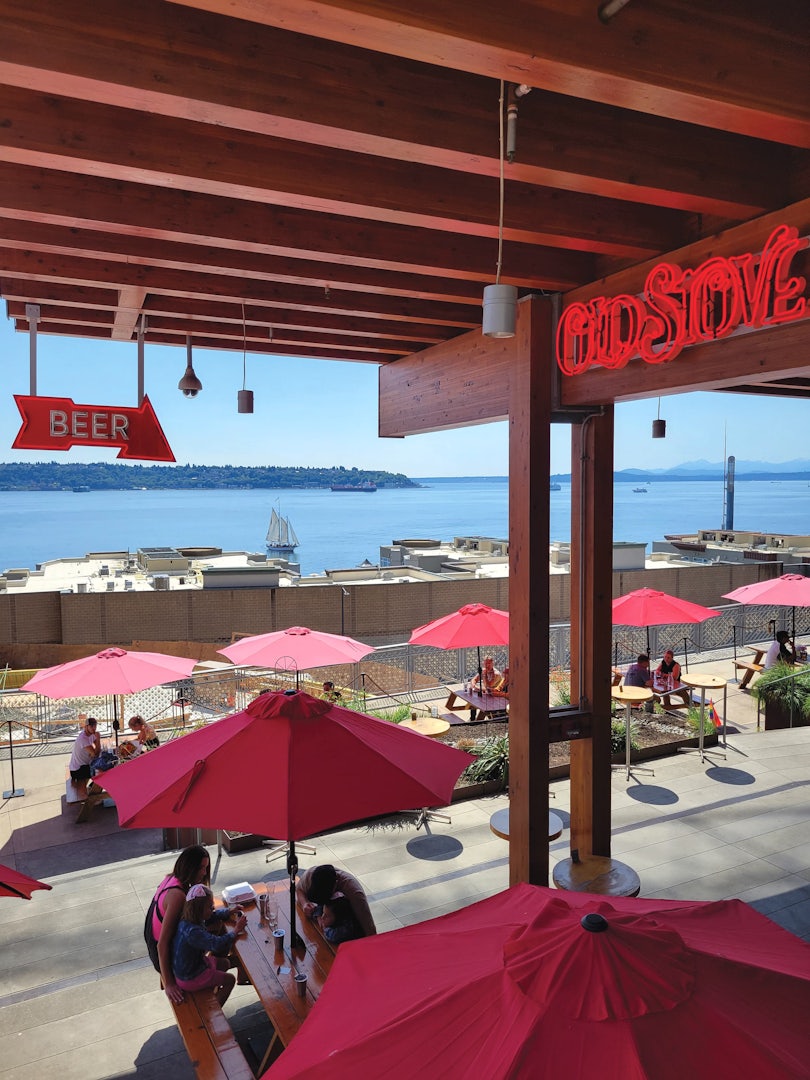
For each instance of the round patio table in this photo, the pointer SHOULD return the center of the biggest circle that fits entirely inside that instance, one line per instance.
(499, 823)
(704, 682)
(630, 696)
(431, 726)
(597, 874)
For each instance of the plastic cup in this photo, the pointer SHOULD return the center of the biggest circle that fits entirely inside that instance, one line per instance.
(301, 984)
(263, 907)
(278, 939)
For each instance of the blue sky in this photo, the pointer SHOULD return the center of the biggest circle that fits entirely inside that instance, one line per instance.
(324, 412)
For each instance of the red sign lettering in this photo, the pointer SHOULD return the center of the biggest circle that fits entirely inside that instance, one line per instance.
(680, 308)
(51, 423)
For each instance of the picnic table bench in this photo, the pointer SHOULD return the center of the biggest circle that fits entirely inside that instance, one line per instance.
(209, 1039)
(750, 669)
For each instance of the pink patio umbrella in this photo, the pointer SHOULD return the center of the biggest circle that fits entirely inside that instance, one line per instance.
(289, 765)
(787, 590)
(110, 672)
(295, 649)
(470, 627)
(534, 984)
(650, 607)
(13, 883)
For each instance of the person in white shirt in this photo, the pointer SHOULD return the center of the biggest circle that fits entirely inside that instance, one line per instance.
(86, 747)
(781, 650)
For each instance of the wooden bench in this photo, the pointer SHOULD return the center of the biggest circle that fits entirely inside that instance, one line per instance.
(209, 1040)
(750, 671)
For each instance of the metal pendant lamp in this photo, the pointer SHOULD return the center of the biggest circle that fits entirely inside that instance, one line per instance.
(189, 384)
(244, 398)
(500, 301)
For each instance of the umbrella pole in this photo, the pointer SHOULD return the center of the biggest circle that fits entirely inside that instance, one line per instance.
(14, 792)
(292, 870)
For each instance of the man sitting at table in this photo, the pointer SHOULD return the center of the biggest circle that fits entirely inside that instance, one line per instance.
(320, 884)
(669, 666)
(638, 674)
(781, 650)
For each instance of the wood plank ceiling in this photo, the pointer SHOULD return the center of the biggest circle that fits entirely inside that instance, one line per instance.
(331, 168)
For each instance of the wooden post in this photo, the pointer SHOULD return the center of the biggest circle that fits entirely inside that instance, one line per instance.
(529, 471)
(591, 625)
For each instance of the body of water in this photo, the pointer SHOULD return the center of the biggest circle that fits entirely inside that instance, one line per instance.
(338, 530)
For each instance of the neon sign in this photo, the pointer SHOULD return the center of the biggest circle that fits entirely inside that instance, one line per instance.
(680, 308)
(51, 423)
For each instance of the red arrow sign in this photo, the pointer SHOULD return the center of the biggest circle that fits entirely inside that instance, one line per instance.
(51, 423)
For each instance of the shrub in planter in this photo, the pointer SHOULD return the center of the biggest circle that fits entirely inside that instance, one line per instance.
(491, 763)
(782, 691)
(617, 737)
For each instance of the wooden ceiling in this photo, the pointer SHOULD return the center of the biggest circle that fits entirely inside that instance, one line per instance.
(330, 169)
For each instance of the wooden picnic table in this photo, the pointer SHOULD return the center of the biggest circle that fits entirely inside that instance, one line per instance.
(488, 705)
(272, 970)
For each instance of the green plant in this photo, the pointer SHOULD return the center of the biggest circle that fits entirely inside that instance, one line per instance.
(617, 737)
(492, 761)
(560, 686)
(782, 687)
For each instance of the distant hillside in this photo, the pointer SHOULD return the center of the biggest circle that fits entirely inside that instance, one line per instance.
(101, 476)
(706, 470)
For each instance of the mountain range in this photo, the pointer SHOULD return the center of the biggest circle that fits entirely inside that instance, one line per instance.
(798, 469)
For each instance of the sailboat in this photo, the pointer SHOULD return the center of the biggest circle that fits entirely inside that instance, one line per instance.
(281, 536)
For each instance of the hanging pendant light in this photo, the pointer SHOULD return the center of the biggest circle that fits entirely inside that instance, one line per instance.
(659, 426)
(500, 301)
(189, 384)
(244, 398)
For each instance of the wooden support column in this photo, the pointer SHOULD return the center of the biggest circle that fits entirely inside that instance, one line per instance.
(591, 626)
(529, 470)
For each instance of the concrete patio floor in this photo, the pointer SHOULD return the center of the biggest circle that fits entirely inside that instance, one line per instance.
(79, 998)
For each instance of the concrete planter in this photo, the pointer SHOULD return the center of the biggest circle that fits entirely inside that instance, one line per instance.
(646, 753)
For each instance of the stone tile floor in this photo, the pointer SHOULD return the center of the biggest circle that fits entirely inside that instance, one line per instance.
(79, 999)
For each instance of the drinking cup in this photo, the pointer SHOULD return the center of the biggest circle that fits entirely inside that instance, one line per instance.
(263, 907)
(278, 939)
(301, 984)
(271, 913)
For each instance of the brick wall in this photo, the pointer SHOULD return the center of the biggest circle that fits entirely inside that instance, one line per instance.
(46, 628)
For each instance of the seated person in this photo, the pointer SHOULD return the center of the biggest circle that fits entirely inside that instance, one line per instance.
(199, 957)
(86, 748)
(502, 687)
(147, 738)
(329, 693)
(337, 920)
(638, 674)
(484, 682)
(320, 884)
(669, 666)
(781, 650)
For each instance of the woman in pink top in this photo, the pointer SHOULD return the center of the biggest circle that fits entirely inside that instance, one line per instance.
(193, 867)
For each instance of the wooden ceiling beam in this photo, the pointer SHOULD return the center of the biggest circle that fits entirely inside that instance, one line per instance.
(94, 272)
(68, 303)
(136, 209)
(95, 140)
(159, 59)
(57, 239)
(729, 65)
(130, 301)
(314, 352)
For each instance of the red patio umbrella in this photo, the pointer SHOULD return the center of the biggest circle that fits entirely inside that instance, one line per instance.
(13, 883)
(295, 649)
(470, 627)
(650, 607)
(787, 590)
(110, 672)
(537, 984)
(289, 765)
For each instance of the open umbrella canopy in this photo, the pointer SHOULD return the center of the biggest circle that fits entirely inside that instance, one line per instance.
(522, 986)
(288, 766)
(788, 590)
(112, 671)
(650, 607)
(297, 647)
(470, 626)
(13, 883)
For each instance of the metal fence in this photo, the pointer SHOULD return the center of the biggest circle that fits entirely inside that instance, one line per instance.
(391, 674)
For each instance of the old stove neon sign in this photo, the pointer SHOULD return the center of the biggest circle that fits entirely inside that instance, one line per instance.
(683, 307)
